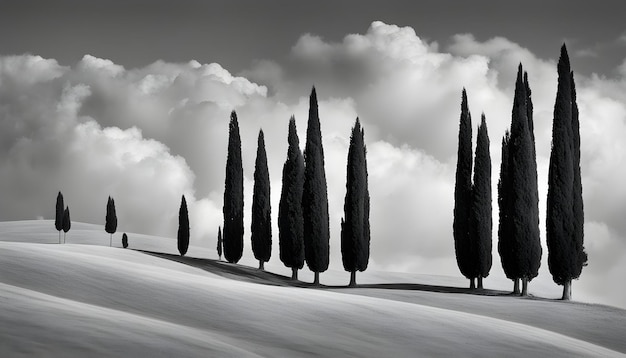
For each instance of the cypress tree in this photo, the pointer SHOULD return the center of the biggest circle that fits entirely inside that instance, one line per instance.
(463, 196)
(290, 219)
(183, 228)
(564, 216)
(355, 233)
(505, 238)
(110, 225)
(219, 242)
(482, 224)
(524, 203)
(58, 220)
(124, 240)
(261, 209)
(67, 222)
(315, 196)
(233, 195)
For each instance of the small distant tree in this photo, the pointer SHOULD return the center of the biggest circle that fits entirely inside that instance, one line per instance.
(111, 220)
(124, 240)
(58, 221)
(67, 223)
(183, 228)
(261, 209)
(233, 195)
(355, 229)
(219, 242)
(290, 219)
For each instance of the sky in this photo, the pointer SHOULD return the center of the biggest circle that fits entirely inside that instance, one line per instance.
(132, 99)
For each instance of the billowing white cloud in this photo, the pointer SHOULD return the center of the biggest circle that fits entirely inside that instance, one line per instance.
(148, 135)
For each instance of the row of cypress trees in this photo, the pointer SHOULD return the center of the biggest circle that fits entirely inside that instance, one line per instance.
(303, 219)
(63, 222)
(519, 243)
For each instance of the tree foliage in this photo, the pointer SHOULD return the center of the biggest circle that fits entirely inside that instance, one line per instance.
(58, 219)
(110, 225)
(261, 208)
(183, 228)
(233, 195)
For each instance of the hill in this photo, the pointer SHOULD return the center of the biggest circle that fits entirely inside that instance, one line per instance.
(83, 299)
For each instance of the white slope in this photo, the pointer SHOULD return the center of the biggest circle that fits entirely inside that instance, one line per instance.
(86, 300)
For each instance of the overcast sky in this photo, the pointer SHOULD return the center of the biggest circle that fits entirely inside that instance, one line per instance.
(132, 100)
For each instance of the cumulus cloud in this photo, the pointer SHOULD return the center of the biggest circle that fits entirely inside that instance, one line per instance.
(148, 135)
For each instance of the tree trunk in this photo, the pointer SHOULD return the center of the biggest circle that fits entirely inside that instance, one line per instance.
(524, 286)
(316, 280)
(111, 241)
(352, 279)
(516, 286)
(472, 284)
(64, 234)
(261, 265)
(480, 282)
(59, 236)
(567, 291)
(294, 273)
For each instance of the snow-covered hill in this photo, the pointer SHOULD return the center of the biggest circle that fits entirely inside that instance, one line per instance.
(87, 299)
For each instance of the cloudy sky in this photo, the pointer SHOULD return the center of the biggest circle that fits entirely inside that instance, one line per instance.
(132, 99)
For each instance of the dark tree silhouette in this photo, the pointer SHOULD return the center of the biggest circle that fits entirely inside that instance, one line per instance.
(564, 216)
(58, 220)
(290, 219)
(463, 196)
(482, 222)
(315, 196)
(183, 228)
(261, 208)
(124, 240)
(219, 242)
(67, 222)
(524, 203)
(506, 246)
(110, 225)
(233, 195)
(355, 229)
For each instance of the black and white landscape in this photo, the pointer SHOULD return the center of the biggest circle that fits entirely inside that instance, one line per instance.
(397, 150)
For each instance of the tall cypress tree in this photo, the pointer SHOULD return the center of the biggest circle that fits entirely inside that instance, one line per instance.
(564, 216)
(355, 233)
(233, 195)
(506, 247)
(524, 203)
(67, 222)
(315, 196)
(219, 242)
(463, 195)
(58, 219)
(110, 225)
(261, 209)
(290, 219)
(183, 228)
(481, 225)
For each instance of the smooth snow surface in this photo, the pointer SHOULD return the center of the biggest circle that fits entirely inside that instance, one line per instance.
(78, 300)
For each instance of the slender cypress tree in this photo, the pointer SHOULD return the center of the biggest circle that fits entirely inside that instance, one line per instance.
(506, 247)
(355, 234)
(67, 222)
(110, 225)
(233, 195)
(261, 209)
(290, 219)
(481, 225)
(58, 220)
(219, 242)
(564, 216)
(463, 196)
(124, 240)
(524, 203)
(315, 196)
(183, 228)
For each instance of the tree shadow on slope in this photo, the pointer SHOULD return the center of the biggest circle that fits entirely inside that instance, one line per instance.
(254, 275)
